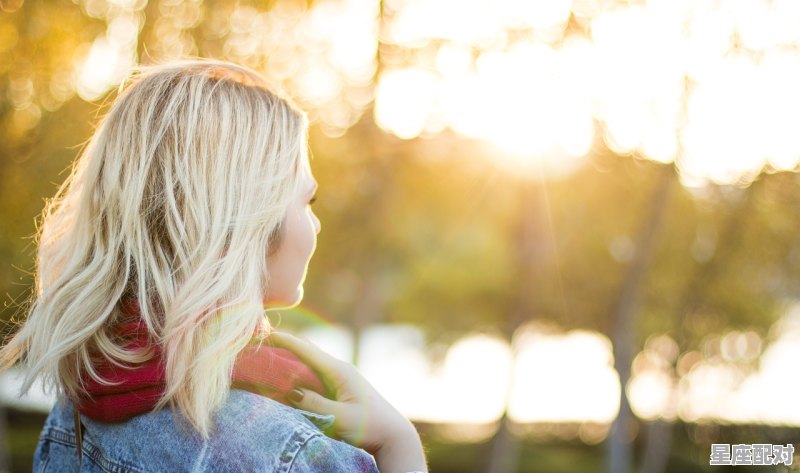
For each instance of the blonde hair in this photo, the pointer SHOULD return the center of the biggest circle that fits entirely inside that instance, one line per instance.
(175, 201)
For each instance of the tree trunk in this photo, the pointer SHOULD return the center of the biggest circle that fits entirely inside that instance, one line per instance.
(657, 447)
(505, 454)
(533, 249)
(369, 310)
(659, 432)
(620, 452)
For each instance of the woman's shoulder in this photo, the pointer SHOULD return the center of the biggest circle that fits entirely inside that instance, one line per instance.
(251, 433)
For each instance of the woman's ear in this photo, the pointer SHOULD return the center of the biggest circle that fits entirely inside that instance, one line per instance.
(275, 238)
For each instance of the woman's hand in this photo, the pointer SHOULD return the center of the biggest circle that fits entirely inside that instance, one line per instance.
(363, 417)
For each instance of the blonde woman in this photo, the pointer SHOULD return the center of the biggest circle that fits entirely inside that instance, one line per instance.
(185, 216)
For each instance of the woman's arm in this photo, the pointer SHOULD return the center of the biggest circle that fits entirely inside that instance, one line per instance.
(363, 417)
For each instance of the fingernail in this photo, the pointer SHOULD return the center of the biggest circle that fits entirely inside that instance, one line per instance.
(296, 395)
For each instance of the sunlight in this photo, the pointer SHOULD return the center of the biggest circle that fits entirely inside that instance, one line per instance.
(651, 389)
(531, 116)
(704, 392)
(770, 395)
(470, 385)
(538, 14)
(403, 100)
(109, 59)
(391, 356)
(515, 100)
(709, 86)
(718, 144)
(336, 340)
(706, 85)
(564, 378)
(351, 34)
(415, 22)
(730, 389)
(638, 54)
(323, 54)
(780, 74)
(101, 70)
(650, 395)
(569, 377)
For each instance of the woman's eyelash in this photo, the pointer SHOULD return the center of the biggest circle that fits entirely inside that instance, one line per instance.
(313, 199)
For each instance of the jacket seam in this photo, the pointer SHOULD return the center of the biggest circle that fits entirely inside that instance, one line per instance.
(90, 450)
(296, 443)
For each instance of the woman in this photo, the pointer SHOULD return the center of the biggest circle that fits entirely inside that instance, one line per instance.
(188, 213)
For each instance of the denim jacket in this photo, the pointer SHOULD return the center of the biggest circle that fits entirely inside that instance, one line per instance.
(251, 433)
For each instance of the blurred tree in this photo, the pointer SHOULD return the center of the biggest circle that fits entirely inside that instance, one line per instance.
(428, 231)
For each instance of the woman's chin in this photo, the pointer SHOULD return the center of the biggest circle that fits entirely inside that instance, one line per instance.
(285, 302)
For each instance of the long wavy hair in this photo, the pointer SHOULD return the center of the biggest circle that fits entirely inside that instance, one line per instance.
(176, 201)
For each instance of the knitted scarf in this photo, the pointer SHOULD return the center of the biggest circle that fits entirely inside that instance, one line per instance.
(261, 369)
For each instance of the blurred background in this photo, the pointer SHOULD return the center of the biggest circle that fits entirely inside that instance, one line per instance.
(559, 235)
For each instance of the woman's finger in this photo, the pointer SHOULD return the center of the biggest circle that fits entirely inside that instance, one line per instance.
(313, 402)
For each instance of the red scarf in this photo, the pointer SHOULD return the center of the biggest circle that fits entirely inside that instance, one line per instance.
(261, 369)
